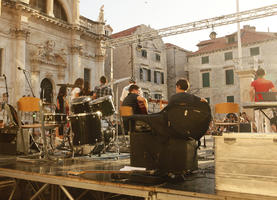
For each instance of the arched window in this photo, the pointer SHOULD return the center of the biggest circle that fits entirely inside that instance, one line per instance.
(38, 5)
(46, 93)
(59, 11)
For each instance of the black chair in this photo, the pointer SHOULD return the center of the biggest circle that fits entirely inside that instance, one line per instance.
(170, 143)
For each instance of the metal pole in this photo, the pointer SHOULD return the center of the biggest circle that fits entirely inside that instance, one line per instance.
(111, 75)
(117, 113)
(239, 38)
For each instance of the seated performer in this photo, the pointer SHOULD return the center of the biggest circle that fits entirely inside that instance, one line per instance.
(138, 103)
(86, 90)
(103, 89)
(182, 96)
(259, 86)
(125, 90)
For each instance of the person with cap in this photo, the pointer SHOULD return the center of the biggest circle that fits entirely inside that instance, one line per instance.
(259, 86)
(125, 90)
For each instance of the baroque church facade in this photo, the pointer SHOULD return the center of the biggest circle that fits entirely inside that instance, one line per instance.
(51, 43)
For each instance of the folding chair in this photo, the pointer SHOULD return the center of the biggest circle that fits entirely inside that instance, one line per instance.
(126, 111)
(225, 108)
(31, 105)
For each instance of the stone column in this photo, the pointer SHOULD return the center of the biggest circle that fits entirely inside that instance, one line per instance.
(245, 79)
(50, 8)
(76, 12)
(20, 53)
(76, 68)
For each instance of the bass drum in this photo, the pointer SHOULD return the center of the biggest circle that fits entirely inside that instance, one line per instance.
(86, 128)
(81, 105)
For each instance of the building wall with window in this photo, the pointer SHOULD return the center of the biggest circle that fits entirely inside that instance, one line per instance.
(216, 78)
(145, 61)
(51, 42)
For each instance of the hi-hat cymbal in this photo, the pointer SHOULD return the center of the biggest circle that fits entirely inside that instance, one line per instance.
(65, 84)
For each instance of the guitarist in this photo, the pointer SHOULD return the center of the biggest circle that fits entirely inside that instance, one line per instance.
(134, 100)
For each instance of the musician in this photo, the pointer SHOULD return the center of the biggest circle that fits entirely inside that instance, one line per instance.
(103, 89)
(7, 112)
(62, 105)
(125, 90)
(138, 104)
(182, 96)
(260, 85)
(86, 90)
(78, 86)
(257, 86)
(134, 100)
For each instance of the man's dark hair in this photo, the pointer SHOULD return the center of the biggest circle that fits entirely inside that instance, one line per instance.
(260, 72)
(133, 87)
(103, 79)
(183, 84)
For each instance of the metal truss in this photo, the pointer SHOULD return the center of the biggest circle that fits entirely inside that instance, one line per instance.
(196, 26)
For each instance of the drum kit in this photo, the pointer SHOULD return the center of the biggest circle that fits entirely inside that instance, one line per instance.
(85, 122)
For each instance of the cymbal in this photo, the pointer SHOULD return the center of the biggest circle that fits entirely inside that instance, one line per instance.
(65, 84)
(114, 82)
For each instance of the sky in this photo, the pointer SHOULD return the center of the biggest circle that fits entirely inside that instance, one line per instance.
(124, 14)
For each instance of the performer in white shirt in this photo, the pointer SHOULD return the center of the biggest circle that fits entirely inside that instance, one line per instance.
(78, 86)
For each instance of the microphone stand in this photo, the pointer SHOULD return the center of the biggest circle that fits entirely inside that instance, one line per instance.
(29, 84)
(7, 93)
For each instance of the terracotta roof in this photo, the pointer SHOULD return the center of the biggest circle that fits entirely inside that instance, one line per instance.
(247, 37)
(169, 45)
(126, 32)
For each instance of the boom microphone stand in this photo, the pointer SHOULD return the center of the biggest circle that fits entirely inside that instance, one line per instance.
(6, 85)
(29, 84)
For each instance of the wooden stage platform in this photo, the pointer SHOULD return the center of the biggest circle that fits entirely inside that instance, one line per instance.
(197, 185)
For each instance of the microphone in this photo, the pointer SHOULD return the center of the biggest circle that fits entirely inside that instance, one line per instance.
(24, 70)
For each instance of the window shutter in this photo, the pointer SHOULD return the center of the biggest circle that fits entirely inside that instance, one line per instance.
(149, 75)
(155, 77)
(162, 74)
(141, 74)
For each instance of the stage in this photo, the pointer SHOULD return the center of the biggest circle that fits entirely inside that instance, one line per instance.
(61, 184)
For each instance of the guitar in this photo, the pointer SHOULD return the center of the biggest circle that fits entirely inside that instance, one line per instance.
(142, 107)
(160, 101)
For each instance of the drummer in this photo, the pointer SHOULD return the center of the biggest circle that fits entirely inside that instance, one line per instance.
(78, 87)
(103, 89)
(86, 90)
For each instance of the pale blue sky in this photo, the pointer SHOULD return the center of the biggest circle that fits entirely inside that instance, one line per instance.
(124, 14)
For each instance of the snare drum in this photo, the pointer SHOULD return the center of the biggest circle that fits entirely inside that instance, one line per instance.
(104, 105)
(86, 128)
(55, 118)
(81, 105)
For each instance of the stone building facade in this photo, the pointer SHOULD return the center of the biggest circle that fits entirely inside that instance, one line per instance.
(145, 61)
(52, 42)
(177, 66)
(212, 69)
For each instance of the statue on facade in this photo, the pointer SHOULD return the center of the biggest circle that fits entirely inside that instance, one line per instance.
(101, 14)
